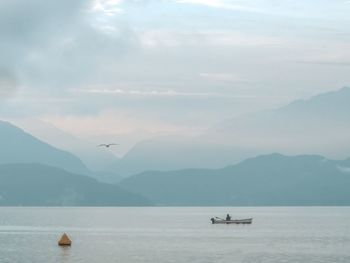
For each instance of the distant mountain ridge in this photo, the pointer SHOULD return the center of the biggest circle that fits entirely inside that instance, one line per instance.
(42, 185)
(17, 146)
(319, 125)
(96, 159)
(267, 180)
(173, 153)
(333, 104)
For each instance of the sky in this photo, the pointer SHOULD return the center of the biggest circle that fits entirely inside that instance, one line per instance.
(110, 67)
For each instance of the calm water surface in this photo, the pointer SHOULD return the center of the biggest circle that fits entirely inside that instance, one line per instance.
(130, 235)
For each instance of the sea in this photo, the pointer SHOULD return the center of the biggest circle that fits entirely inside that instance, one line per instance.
(174, 234)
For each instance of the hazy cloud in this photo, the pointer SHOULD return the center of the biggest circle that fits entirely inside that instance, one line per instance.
(162, 93)
(212, 60)
(58, 43)
(230, 5)
(175, 38)
(225, 77)
(8, 83)
(327, 63)
(343, 169)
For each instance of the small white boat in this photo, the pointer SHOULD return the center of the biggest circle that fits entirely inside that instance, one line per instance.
(232, 221)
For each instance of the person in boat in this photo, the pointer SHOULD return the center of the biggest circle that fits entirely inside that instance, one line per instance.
(228, 217)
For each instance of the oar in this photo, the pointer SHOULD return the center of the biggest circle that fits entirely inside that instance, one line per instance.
(219, 218)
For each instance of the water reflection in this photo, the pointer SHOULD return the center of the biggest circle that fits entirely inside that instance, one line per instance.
(65, 254)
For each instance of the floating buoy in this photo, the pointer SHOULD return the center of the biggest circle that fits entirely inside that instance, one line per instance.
(64, 241)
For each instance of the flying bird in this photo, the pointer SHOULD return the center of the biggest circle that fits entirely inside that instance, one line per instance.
(107, 145)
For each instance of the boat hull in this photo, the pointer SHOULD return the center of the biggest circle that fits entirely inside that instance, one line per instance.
(234, 221)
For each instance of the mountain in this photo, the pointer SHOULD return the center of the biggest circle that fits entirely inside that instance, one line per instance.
(107, 177)
(320, 125)
(273, 179)
(96, 159)
(174, 152)
(41, 185)
(17, 146)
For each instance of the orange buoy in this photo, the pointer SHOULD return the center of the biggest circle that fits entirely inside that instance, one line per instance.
(64, 241)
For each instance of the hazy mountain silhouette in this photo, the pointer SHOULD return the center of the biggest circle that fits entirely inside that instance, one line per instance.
(265, 180)
(172, 153)
(96, 159)
(320, 125)
(17, 146)
(41, 185)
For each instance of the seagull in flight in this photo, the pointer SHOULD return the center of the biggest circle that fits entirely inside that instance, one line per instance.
(107, 145)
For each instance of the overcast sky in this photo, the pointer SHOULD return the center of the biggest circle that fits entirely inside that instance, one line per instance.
(110, 67)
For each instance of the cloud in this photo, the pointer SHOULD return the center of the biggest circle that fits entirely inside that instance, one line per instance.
(108, 7)
(8, 83)
(327, 63)
(57, 44)
(221, 4)
(224, 77)
(111, 122)
(343, 169)
(177, 94)
(336, 54)
(83, 57)
(153, 93)
(177, 38)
